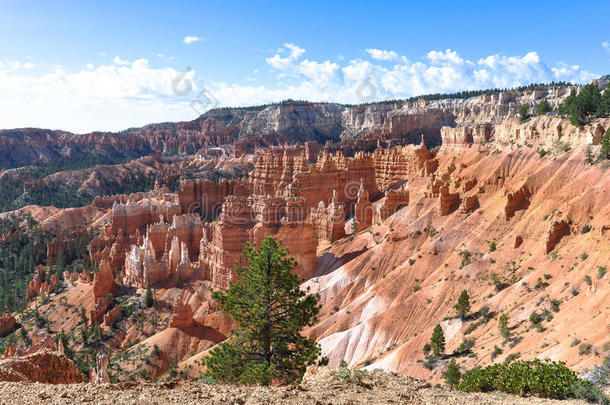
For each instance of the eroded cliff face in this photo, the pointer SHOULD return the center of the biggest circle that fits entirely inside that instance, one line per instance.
(248, 129)
(468, 226)
(388, 235)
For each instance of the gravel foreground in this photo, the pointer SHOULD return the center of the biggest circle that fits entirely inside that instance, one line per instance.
(319, 389)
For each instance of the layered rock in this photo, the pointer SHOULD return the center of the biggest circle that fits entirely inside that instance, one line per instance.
(182, 316)
(7, 324)
(364, 210)
(44, 366)
(40, 284)
(250, 220)
(393, 200)
(557, 231)
(449, 202)
(329, 221)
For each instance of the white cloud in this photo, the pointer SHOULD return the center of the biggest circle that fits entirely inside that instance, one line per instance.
(279, 62)
(106, 97)
(606, 46)
(191, 38)
(120, 61)
(380, 54)
(123, 94)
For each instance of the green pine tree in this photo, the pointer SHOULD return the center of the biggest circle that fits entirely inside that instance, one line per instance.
(463, 305)
(427, 349)
(524, 112)
(604, 152)
(604, 105)
(503, 326)
(452, 375)
(543, 108)
(149, 300)
(271, 311)
(437, 341)
(589, 154)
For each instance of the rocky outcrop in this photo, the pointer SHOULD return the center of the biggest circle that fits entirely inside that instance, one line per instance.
(517, 200)
(103, 281)
(393, 200)
(329, 221)
(250, 220)
(7, 324)
(469, 204)
(449, 202)
(557, 230)
(204, 197)
(99, 374)
(182, 316)
(44, 366)
(364, 209)
(112, 316)
(40, 284)
(132, 216)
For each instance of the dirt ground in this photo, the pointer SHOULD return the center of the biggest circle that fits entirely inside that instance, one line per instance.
(321, 388)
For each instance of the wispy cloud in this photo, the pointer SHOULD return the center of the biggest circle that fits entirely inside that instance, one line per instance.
(606, 46)
(192, 38)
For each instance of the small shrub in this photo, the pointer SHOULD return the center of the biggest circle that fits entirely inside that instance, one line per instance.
(466, 345)
(471, 328)
(588, 280)
(586, 390)
(601, 271)
(546, 379)
(585, 229)
(540, 284)
(484, 313)
(555, 303)
(503, 326)
(416, 288)
(535, 318)
(492, 246)
(452, 374)
(585, 348)
(347, 376)
(497, 351)
(584, 256)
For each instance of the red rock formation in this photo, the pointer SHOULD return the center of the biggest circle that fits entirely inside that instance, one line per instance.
(518, 241)
(182, 316)
(449, 202)
(205, 197)
(364, 210)
(329, 222)
(557, 231)
(101, 374)
(111, 316)
(393, 200)
(518, 200)
(103, 281)
(45, 366)
(469, 204)
(40, 284)
(7, 324)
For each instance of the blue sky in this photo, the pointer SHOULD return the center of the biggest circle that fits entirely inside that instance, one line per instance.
(85, 66)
